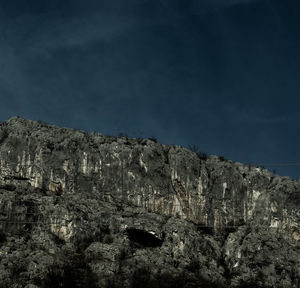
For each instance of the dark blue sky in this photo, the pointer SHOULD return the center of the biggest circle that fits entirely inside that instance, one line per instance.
(221, 74)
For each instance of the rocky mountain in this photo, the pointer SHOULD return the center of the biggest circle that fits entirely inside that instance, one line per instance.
(88, 210)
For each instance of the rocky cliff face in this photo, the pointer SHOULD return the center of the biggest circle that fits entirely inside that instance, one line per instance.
(88, 210)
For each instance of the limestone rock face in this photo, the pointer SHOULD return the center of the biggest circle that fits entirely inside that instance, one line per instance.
(88, 210)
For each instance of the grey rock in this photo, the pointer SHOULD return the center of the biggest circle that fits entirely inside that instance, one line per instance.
(88, 210)
(263, 255)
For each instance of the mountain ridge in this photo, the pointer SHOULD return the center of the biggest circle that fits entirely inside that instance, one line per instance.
(68, 173)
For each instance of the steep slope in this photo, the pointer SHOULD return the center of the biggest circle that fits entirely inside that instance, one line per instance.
(89, 210)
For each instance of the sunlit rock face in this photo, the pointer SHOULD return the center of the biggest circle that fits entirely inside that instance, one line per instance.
(168, 180)
(115, 206)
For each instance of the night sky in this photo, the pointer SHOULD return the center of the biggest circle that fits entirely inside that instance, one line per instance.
(221, 74)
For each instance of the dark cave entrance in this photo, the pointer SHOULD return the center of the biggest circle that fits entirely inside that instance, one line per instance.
(143, 238)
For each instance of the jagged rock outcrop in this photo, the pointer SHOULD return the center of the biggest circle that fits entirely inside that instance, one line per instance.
(89, 210)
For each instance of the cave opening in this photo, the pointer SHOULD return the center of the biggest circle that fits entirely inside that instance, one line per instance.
(143, 238)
